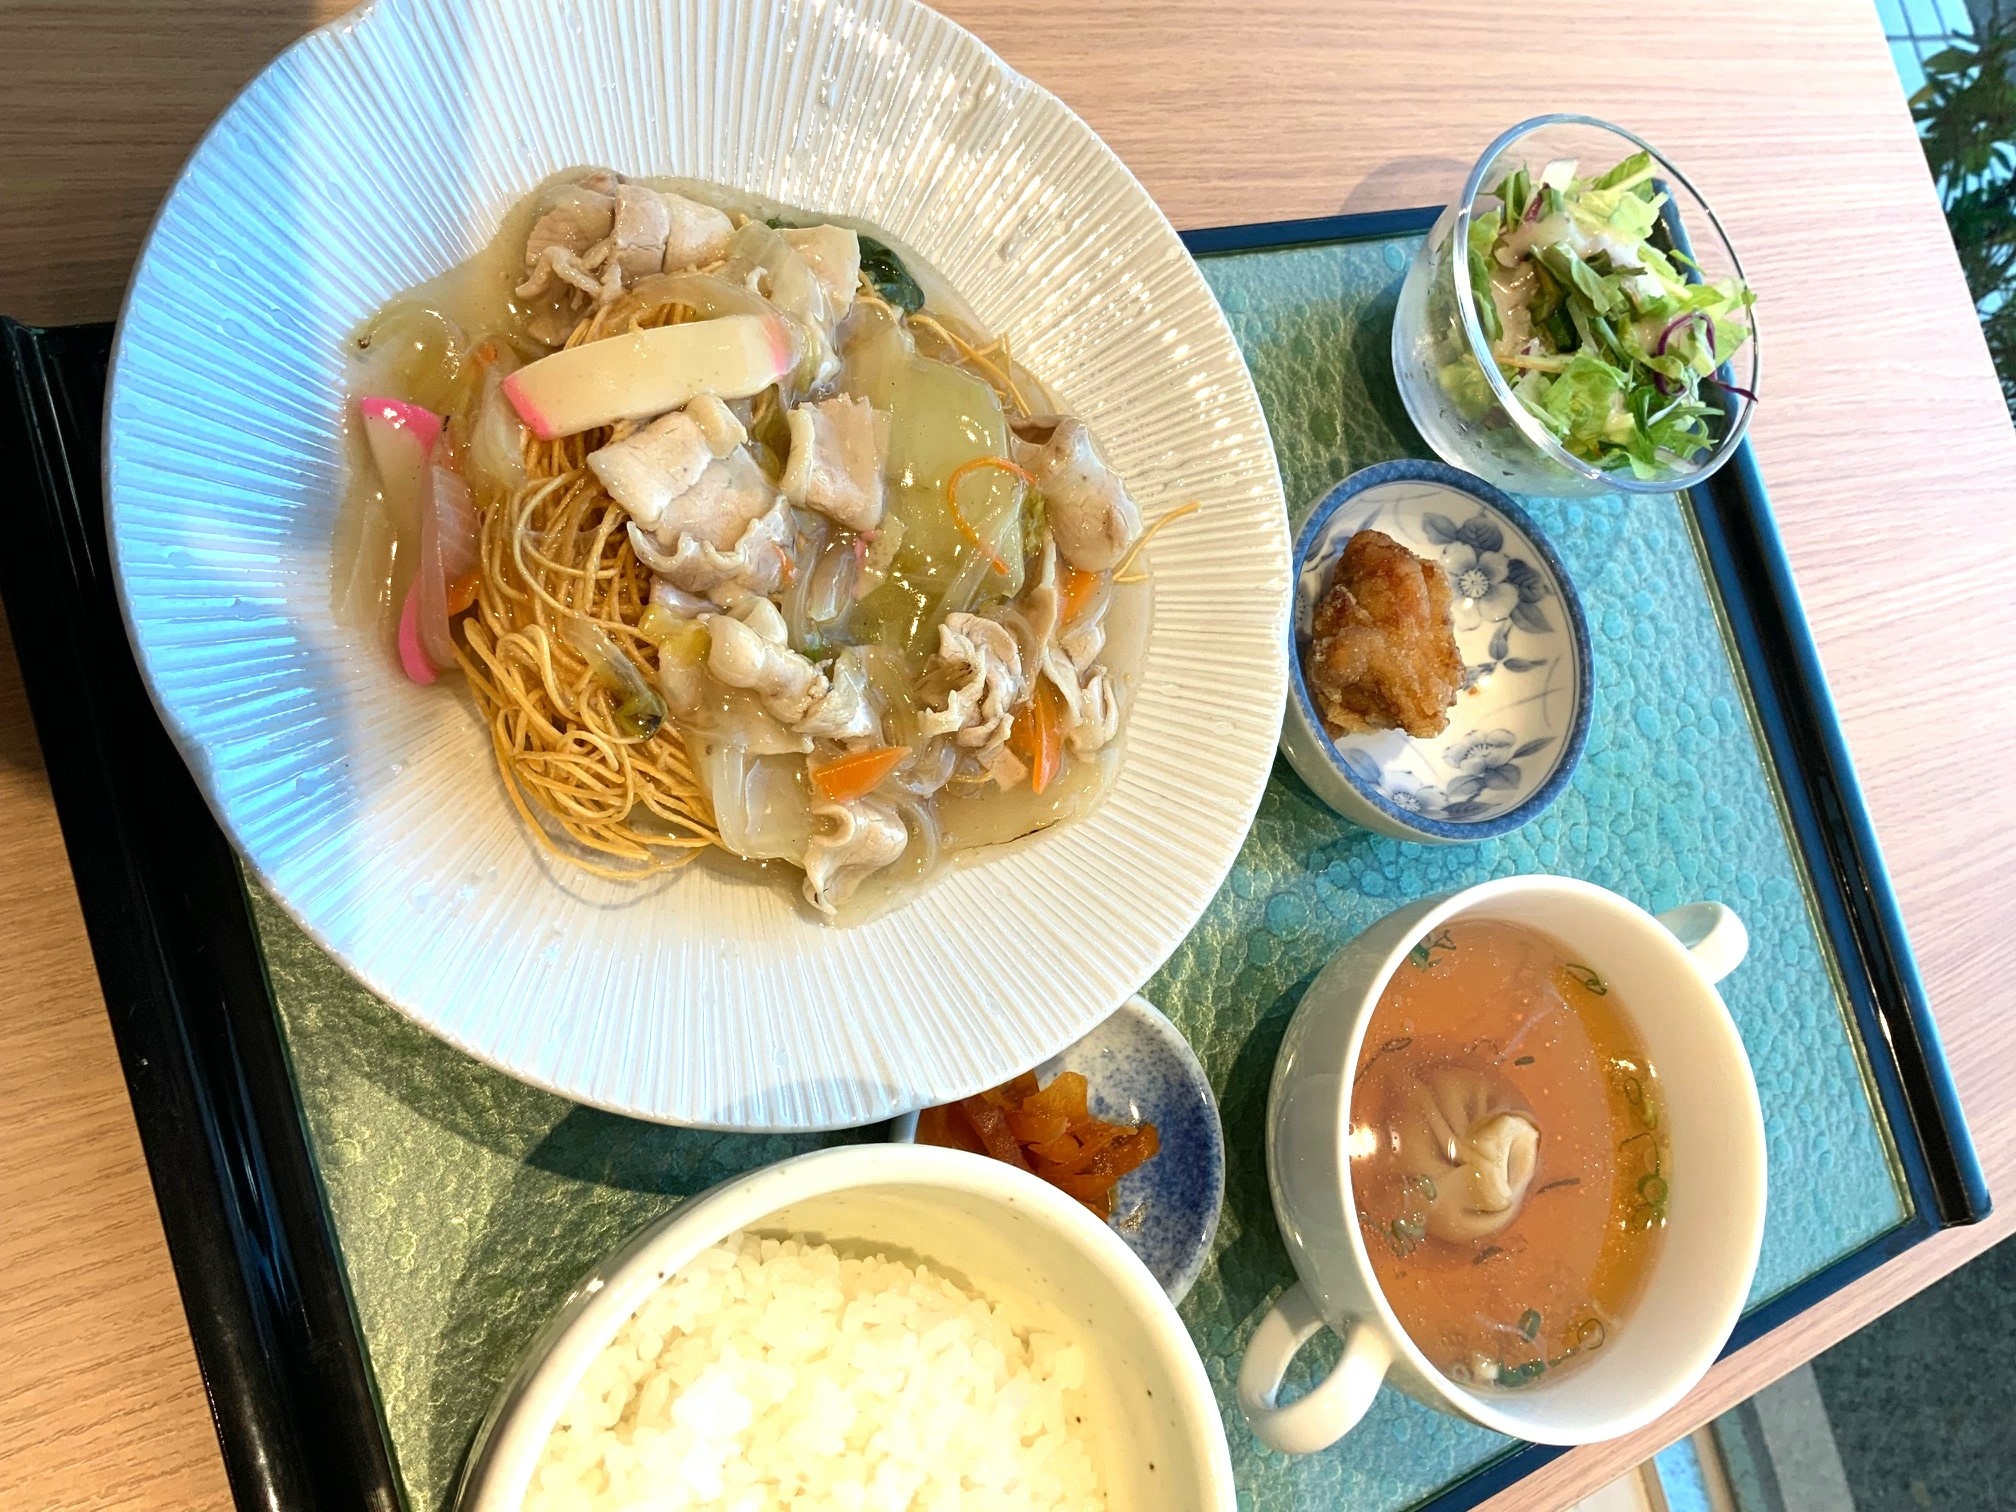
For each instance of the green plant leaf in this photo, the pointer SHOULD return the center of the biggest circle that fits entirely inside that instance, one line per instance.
(891, 279)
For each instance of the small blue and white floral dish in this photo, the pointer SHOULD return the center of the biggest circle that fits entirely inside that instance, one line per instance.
(1517, 728)
(1138, 1068)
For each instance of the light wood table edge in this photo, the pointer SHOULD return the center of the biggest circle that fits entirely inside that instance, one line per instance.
(95, 140)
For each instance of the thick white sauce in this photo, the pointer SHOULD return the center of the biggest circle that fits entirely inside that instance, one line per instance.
(478, 297)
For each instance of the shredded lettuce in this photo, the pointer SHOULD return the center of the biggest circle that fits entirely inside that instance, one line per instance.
(1604, 335)
(1634, 170)
(1468, 389)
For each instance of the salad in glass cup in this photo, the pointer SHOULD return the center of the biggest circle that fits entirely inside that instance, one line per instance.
(1576, 322)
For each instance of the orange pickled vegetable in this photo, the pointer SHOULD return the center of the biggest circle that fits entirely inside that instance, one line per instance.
(1057, 1151)
(856, 775)
(1037, 1128)
(1095, 1183)
(1090, 1143)
(1065, 1094)
(1047, 1130)
(947, 1126)
(991, 1124)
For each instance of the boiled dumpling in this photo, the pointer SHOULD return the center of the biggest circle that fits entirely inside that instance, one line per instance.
(1467, 1133)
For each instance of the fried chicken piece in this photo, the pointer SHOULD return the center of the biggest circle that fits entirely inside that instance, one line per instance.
(1382, 655)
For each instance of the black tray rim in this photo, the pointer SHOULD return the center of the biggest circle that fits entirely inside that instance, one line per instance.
(262, 1281)
(249, 1237)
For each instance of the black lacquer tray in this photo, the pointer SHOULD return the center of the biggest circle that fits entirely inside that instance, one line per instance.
(253, 1241)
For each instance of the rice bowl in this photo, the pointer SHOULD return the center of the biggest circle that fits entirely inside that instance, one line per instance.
(1046, 1276)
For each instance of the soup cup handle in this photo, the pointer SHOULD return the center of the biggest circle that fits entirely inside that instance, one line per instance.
(1334, 1407)
(1713, 934)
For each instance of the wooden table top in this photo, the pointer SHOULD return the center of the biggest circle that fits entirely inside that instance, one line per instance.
(1789, 119)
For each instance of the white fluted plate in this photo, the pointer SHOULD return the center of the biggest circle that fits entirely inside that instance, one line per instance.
(387, 147)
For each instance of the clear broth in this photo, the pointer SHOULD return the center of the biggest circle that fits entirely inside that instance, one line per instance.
(1542, 1293)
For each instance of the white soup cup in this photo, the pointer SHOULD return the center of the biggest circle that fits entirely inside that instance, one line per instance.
(1663, 971)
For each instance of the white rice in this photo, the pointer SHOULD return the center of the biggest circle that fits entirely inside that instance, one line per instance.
(775, 1374)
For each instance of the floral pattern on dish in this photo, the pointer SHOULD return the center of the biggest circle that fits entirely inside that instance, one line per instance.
(1514, 721)
(1492, 588)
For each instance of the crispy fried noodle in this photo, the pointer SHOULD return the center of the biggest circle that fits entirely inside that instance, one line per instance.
(814, 578)
(556, 547)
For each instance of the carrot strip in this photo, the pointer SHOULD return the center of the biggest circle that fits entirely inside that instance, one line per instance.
(1037, 738)
(965, 526)
(462, 592)
(856, 775)
(1079, 586)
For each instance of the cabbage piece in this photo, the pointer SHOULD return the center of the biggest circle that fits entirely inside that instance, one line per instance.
(641, 709)
(496, 455)
(762, 804)
(787, 281)
(1584, 403)
(941, 417)
(877, 355)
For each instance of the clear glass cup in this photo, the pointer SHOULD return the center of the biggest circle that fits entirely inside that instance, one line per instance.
(1449, 379)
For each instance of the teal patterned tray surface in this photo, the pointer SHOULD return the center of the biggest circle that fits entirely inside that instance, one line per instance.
(466, 1204)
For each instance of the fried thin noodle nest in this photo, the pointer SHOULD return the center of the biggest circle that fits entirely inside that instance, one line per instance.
(554, 548)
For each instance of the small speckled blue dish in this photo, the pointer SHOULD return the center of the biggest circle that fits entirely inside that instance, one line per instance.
(1517, 728)
(1138, 1068)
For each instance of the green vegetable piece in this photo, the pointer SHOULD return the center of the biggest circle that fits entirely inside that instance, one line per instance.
(641, 712)
(1583, 398)
(1467, 387)
(1635, 169)
(1480, 297)
(1574, 274)
(1546, 297)
(891, 279)
(1605, 335)
(1587, 976)
(641, 715)
(1529, 1324)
